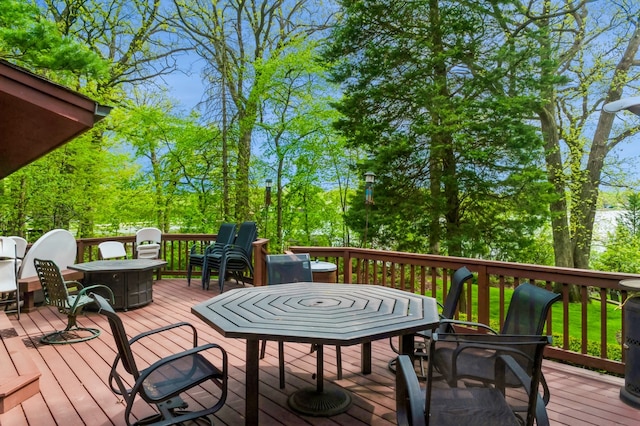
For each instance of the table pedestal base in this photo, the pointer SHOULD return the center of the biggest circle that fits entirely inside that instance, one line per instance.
(311, 402)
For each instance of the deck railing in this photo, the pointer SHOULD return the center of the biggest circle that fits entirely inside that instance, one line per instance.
(578, 337)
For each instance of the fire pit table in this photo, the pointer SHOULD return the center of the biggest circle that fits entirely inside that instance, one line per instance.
(131, 280)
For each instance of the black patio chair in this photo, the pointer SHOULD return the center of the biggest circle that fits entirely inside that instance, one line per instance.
(198, 254)
(421, 338)
(234, 258)
(526, 315)
(70, 297)
(290, 268)
(162, 382)
(455, 403)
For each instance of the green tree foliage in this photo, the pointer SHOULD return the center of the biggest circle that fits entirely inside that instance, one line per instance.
(236, 38)
(456, 161)
(621, 254)
(631, 216)
(297, 133)
(49, 193)
(136, 47)
(179, 167)
(29, 40)
(587, 56)
(622, 247)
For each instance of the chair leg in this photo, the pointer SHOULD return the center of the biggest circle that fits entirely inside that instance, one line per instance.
(221, 276)
(263, 348)
(206, 272)
(281, 363)
(189, 268)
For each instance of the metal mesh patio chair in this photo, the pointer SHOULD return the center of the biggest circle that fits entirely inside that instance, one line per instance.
(69, 297)
(421, 338)
(290, 268)
(526, 315)
(162, 382)
(455, 403)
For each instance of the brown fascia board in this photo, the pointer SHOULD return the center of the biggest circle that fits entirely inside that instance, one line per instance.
(37, 116)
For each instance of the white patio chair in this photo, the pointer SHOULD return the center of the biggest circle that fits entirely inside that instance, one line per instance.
(9, 294)
(112, 250)
(148, 243)
(58, 245)
(21, 249)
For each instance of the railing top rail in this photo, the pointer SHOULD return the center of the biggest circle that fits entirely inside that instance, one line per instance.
(492, 267)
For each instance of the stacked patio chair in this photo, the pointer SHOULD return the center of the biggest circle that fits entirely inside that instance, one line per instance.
(234, 258)
(148, 243)
(226, 235)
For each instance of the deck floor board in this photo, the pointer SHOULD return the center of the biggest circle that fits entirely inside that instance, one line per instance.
(74, 388)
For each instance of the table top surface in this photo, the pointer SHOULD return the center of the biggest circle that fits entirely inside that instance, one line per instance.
(118, 265)
(333, 314)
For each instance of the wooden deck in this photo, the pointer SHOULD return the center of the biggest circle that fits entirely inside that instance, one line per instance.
(73, 388)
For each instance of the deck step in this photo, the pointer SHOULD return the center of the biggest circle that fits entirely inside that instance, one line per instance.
(19, 376)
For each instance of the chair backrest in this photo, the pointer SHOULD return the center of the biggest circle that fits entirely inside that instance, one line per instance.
(21, 246)
(8, 265)
(246, 236)
(53, 285)
(8, 275)
(119, 335)
(528, 310)
(112, 249)
(288, 268)
(145, 235)
(457, 284)
(58, 245)
(8, 248)
(226, 233)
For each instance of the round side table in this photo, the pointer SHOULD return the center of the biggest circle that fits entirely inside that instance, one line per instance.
(324, 272)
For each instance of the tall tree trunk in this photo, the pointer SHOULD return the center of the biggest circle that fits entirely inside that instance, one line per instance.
(563, 252)
(600, 148)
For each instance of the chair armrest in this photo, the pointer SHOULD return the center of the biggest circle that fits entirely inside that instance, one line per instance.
(73, 286)
(409, 397)
(468, 324)
(142, 335)
(507, 361)
(84, 291)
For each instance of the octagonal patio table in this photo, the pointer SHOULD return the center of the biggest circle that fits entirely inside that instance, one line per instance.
(316, 313)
